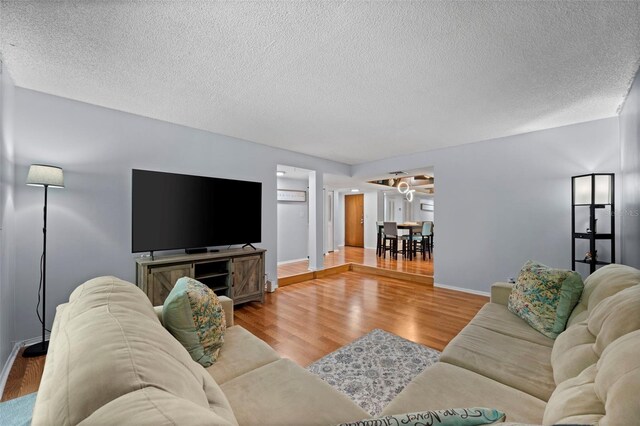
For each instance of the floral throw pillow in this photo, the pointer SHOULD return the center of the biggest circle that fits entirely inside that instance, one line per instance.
(193, 315)
(450, 417)
(544, 297)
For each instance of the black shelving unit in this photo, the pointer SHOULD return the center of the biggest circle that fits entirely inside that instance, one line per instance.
(593, 191)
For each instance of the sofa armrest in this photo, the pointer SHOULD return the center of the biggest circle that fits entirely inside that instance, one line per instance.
(227, 306)
(500, 293)
(158, 310)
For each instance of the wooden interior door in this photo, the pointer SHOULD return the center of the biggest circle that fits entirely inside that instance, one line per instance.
(354, 220)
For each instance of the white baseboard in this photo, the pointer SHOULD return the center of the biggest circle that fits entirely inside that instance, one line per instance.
(12, 357)
(7, 367)
(464, 290)
(284, 262)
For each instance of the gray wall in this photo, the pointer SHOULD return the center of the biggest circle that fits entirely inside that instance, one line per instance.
(89, 229)
(370, 219)
(629, 210)
(423, 215)
(503, 201)
(7, 231)
(500, 202)
(293, 223)
(339, 219)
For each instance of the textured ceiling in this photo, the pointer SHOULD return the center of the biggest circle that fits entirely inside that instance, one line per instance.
(348, 81)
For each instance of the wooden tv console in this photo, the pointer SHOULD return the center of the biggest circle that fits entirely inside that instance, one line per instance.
(236, 273)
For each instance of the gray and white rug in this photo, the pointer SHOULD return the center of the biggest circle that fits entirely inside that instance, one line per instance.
(373, 369)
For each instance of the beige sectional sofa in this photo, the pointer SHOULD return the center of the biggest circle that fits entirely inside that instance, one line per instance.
(110, 361)
(589, 374)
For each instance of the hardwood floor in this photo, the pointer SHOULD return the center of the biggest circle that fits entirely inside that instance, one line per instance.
(24, 377)
(364, 257)
(308, 320)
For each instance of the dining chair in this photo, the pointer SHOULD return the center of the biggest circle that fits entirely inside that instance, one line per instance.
(424, 239)
(379, 226)
(390, 234)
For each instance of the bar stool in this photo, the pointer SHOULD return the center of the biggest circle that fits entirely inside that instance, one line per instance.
(424, 238)
(391, 234)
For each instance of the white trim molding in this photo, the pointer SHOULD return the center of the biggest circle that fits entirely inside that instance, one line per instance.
(462, 289)
(284, 262)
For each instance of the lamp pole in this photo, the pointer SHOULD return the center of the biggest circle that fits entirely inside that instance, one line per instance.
(41, 349)
(47, 176)
(44, 271)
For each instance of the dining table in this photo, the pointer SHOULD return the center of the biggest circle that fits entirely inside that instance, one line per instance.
(412, 227)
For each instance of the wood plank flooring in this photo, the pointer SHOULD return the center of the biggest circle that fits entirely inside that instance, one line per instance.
(308, 320)
(364, 257)
(24, 377)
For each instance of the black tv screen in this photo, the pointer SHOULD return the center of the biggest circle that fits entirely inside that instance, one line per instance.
(173, 211)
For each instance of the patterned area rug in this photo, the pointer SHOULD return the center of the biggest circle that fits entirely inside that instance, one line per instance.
(373, 369)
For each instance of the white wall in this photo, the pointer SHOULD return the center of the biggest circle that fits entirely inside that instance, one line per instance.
(500, 202)
(89, 229)
(339, 219)
(629, 208)
(420, 215)
(503, 201)
(370, 219)
(399, 213)
(7, 231)
(293, 223)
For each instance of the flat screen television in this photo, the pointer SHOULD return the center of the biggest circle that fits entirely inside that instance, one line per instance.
(173, 211)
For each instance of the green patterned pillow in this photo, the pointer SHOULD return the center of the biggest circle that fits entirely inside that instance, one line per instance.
(193, 315)
(544, 297)
(451, 417)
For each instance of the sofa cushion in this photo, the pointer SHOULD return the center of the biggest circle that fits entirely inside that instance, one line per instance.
(287, 394)
(572, 352)
(582, 344)
(575, 400)
(152, 406)
(604, 393)
(475, 416)
(445, 385)
(498, 318)
(614, 317)
(193, 315)
(109, 343)
(514, 362)
(603, 283)
(544, 297)
(241, 353)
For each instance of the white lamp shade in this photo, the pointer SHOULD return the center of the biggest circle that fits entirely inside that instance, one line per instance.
(41, 175)
(582, 189)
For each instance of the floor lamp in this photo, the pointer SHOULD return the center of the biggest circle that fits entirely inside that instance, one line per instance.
(47, 176)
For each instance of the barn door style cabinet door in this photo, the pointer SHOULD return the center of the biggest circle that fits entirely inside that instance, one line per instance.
(237, 274)
(248, 283)
(162, 279)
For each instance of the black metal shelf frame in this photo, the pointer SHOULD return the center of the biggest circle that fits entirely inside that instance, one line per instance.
(593, 235)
